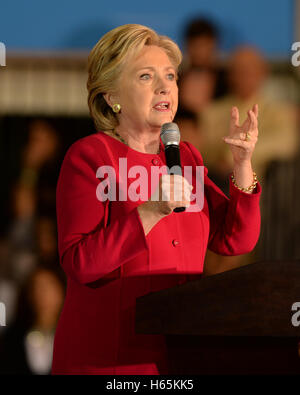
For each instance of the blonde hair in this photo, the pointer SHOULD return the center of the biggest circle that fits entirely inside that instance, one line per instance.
(107, 59)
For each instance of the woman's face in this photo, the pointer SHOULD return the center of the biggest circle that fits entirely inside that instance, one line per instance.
(148, 91)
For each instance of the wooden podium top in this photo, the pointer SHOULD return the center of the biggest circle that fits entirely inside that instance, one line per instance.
(253, 300)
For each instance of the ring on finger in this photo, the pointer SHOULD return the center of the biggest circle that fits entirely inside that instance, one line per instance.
(248, 137)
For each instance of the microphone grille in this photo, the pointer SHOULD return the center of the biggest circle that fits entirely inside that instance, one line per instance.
(170, 133)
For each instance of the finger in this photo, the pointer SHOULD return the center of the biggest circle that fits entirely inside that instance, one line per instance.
(171, 191)
(251, 120)
(187, 196)
(187, 185)
(234, 120)
(186, 193)
(178, 179)
(255, 110)
(182, 189)
(181, 203)
(246, 145)
(253, 125)
(185, 203)
(176, 185)
(243, 136)
(166, 178)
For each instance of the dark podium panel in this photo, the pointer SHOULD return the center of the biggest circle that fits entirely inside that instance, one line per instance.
(238, 322)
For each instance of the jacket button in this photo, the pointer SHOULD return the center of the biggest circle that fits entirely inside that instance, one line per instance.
(155, 161)
(175, 242)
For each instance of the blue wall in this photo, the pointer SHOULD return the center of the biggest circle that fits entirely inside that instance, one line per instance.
(67, 24)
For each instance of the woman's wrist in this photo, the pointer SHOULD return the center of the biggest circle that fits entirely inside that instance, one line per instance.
(244, 177)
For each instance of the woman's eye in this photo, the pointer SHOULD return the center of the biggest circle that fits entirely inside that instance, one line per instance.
(145, 76)
(171, 76)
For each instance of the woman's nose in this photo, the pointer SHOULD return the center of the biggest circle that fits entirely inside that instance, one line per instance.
(164, 91)
(162, 87)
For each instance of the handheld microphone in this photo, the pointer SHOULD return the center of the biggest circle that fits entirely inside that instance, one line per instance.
(170, 136)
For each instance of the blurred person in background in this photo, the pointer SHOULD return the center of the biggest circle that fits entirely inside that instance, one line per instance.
(39, 158)
(46, 239)
(201, 41)
(27, 345)
(201, 38)
(196, 89)
(43, 252)
(247, 72)
(189, 127)
(201, 78)
(32, 235)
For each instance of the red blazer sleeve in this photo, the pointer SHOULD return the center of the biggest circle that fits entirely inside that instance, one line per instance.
(88, 248)
(234, 222)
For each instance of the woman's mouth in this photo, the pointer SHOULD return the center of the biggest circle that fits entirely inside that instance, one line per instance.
(162, 106)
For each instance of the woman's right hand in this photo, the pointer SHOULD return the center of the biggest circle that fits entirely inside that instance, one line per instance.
(173, 191)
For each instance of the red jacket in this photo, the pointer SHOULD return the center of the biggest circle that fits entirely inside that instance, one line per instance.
(109, 261)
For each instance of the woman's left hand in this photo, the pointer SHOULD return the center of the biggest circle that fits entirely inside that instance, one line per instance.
(242, 139)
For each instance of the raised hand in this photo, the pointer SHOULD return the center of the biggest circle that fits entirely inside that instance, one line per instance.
(242, 139)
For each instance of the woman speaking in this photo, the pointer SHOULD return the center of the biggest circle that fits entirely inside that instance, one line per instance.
(116, 250)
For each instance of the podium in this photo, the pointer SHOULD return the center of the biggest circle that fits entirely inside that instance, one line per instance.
(235, 322)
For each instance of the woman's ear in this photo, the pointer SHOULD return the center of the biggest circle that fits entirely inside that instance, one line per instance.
(110, 99)
(107, 98)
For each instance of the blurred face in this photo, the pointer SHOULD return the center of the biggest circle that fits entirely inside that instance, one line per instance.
(24, 201)
(43, 141)
(47, 294)
(148, 91)
(202, 51)
(246, 73)
(196, 90)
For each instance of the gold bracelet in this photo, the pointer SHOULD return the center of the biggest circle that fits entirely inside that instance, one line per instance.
(250, 188)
